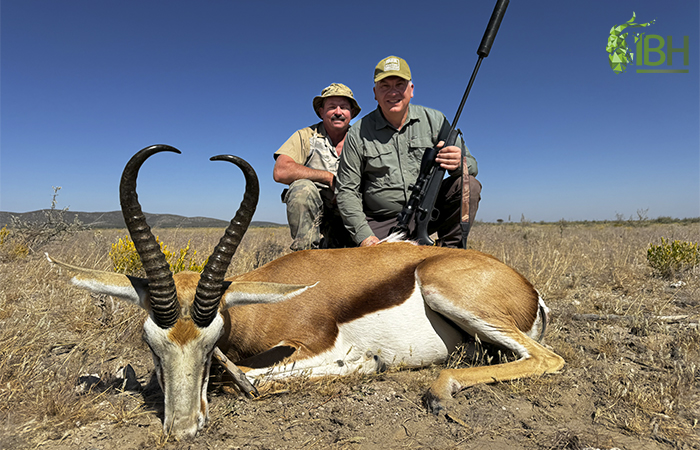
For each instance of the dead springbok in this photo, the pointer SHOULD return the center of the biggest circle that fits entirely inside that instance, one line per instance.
(320, 312)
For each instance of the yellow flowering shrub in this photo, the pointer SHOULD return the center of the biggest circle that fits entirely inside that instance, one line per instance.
(670, 258)
(126, 260)
(4, 234)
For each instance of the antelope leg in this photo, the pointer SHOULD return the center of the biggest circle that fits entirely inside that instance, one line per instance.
(238, 376)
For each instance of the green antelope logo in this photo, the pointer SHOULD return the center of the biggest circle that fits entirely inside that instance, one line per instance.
(651, 51)
(619, 54)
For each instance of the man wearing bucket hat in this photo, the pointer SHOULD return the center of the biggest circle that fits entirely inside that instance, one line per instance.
(308, 163)
(382, 155)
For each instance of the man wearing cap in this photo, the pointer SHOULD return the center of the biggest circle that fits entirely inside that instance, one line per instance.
(308, 163)
(382, 156)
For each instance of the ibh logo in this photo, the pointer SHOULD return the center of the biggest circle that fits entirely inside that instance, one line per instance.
(620, 56)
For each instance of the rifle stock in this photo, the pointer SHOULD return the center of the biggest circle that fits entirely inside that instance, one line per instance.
(426, 211)
(421, 203)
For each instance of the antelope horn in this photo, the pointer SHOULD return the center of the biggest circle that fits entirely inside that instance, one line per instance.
(211, 287)
(161, 286)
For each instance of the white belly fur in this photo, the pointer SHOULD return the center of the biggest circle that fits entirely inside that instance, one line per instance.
(409, 335)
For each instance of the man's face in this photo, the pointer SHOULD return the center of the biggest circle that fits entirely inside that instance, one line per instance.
(336, 113)
(393, 94)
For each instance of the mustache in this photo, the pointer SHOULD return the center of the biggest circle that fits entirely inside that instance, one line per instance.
(338, 117)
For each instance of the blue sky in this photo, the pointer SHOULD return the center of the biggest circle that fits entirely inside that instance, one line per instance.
(557, 134)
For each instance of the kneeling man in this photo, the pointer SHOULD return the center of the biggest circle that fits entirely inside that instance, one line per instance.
(308, 163)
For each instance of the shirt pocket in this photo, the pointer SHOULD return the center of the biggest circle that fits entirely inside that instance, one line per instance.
(322, 160)
(416, 148)
(381, 166)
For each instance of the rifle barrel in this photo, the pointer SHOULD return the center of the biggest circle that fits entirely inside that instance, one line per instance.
(484, 49)
(487, 41)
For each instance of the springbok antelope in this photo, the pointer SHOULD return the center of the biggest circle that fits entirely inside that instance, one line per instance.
(320, 312)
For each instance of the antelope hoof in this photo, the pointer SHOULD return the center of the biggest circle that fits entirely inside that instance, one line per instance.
(433, 403)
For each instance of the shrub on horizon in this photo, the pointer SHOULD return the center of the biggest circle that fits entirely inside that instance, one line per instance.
(671, 258)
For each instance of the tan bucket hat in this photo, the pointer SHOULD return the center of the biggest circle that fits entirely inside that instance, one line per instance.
(392, 66)
(337, 90)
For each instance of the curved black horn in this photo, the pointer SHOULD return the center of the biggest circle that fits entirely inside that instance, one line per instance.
(211, 287)
(161, 286)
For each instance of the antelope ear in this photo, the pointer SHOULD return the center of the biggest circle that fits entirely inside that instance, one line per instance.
(131, 289)
(252, 292)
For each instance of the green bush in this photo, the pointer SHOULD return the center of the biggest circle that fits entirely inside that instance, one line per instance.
(126, 260)
(673, 258)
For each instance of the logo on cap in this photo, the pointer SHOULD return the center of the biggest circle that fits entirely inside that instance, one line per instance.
(392, 64)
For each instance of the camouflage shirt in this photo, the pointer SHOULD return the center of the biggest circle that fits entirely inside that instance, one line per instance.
(379, 162)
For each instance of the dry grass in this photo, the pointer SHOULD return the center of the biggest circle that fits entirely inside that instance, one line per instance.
(644, 366)
(639, 368)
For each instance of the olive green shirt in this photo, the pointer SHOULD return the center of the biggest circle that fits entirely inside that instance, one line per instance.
(379, 162)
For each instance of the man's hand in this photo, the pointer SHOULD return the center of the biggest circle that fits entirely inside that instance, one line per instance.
(449, 158)
(331, 181)
(372, 240)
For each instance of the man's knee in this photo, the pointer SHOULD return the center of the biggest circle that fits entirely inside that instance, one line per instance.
(474, 188)
(474, 196)
(451, 192)
(304, 210)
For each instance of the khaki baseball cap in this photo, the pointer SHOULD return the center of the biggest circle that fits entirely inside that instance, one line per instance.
(337, 90)
(392, 66)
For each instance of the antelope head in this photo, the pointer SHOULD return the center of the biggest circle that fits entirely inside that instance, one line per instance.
(184, 319)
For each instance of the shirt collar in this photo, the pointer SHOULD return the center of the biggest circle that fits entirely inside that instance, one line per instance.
(321, 129)
(381, 121)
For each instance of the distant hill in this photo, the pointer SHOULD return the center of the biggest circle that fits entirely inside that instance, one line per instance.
(114, 219)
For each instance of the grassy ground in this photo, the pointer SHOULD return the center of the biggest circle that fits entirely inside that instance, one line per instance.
(630, 339)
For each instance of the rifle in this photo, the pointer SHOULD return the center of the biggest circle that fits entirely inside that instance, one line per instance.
(421, 203)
